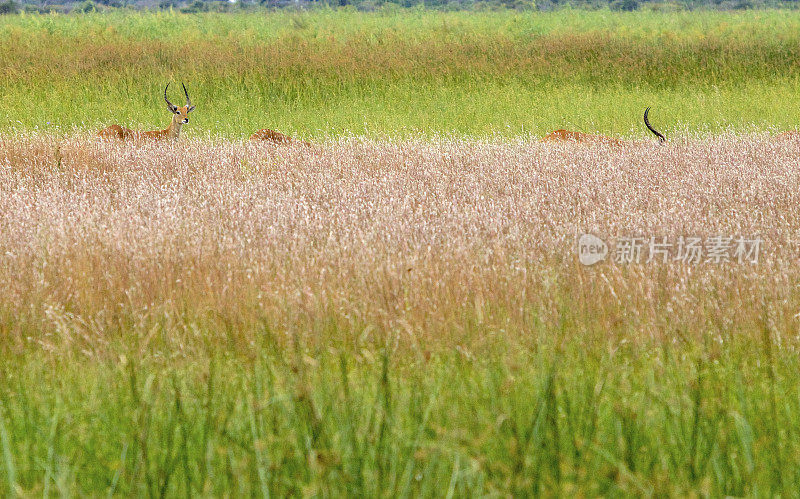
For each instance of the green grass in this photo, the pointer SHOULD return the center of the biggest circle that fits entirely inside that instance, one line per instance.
(334, 73)
(553, 412)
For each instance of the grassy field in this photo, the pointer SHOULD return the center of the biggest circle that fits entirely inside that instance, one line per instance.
(333, 73)
(394, 319)
(401, 312)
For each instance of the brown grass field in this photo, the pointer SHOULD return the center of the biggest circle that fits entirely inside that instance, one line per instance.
(402, 235)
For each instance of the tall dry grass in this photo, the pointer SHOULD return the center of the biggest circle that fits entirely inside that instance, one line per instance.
(401, 235)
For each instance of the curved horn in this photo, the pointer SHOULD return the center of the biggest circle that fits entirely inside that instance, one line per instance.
(172, 107)
(188, 102)
(661, 138)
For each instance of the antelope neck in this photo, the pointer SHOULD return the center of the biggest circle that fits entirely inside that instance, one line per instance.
(174, 129)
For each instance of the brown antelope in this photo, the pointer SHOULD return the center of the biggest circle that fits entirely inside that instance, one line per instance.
(180, 116)
(587, 138)
(580, 137)
(275, 137)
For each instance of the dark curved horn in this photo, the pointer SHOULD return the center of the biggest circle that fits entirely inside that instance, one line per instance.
(661, 138)
(172, 107)
(188, 102)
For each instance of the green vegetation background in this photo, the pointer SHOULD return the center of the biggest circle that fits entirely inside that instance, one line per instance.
(403, 72)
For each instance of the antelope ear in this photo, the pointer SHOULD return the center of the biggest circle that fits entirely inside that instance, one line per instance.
(191, 108)
(172, 109)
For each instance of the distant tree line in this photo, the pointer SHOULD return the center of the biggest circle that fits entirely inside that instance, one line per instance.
(194, 6)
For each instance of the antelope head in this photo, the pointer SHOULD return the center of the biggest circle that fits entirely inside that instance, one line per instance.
(180, 113)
